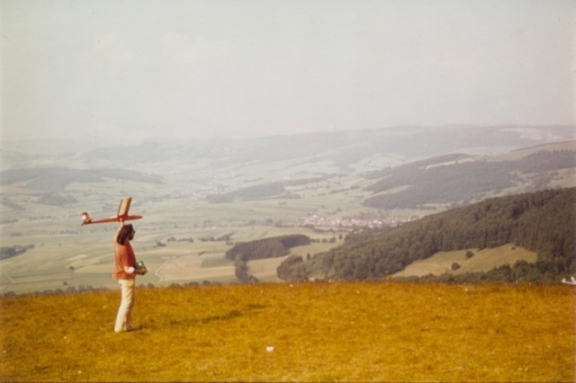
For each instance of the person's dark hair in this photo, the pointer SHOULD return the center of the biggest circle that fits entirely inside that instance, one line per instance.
(124, 234)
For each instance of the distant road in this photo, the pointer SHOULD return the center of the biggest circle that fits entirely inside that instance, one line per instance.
(160, 268)
(12, 281)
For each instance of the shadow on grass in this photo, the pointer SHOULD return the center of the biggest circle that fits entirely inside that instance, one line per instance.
(252, 309)
(231, 315)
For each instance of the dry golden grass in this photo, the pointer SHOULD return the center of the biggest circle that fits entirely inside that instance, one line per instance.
(319, 331)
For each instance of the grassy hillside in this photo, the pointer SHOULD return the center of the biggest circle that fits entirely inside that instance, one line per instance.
(319, 332)
(482, 261)
(426, 182)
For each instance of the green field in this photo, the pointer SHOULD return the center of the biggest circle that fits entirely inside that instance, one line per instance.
(482, 261)
(309, 332)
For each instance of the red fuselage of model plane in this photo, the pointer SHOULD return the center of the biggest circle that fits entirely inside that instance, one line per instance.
(120, 217)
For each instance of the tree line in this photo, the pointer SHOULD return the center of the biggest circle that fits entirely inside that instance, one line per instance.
(273, 247)
(267, 247)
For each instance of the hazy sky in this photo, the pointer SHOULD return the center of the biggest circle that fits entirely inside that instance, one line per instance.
(98, 69)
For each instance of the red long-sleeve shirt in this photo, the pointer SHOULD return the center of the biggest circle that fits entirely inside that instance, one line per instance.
(124, 257)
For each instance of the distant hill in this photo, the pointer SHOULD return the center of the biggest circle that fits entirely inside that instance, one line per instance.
(263, 191)
(543, 222)
(343, 150)
(51, 179)
(449, 179)
(459, 178)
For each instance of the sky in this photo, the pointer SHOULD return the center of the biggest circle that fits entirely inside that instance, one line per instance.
(147, 69)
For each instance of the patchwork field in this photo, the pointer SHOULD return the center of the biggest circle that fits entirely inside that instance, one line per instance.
(302, 332)
(82, 257)
(482, 261)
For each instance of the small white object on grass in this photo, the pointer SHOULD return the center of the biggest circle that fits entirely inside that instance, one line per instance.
(270, 348)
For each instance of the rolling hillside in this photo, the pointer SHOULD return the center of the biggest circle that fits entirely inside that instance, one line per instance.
(542, 222)
(479, 261)
(448, 179)
(318, 185)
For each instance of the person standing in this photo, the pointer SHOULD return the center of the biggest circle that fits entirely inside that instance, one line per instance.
(125, 272)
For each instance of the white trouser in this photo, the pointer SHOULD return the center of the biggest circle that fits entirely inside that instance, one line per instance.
(124, 317)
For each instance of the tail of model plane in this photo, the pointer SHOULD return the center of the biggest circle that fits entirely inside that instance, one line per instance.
(86, 218)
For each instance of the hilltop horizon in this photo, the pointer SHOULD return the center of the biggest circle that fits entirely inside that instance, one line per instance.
(536, 130)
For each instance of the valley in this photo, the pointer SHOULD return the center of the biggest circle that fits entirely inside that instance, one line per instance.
(317, 185)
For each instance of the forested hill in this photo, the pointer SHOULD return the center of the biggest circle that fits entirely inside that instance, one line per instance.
(423, 183)
(543, 222)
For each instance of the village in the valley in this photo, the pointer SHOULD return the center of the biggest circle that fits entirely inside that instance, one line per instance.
(316, 220)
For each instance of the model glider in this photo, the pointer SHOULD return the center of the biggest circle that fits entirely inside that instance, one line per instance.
(571, 281)
(120, 217)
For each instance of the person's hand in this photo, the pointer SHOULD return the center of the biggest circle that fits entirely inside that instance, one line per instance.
(142, 271)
